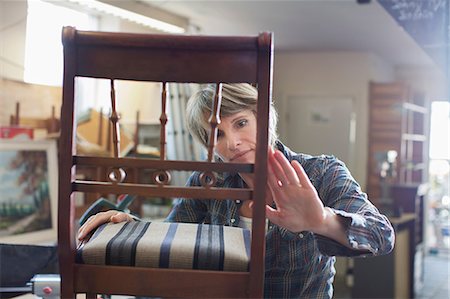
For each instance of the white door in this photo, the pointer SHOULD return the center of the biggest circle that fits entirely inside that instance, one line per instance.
(321, 126)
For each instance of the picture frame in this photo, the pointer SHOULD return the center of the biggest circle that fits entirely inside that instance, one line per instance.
(28, 191)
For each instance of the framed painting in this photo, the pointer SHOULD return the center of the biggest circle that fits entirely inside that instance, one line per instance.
(28, 191)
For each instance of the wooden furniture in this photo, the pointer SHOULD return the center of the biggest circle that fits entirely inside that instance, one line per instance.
(51, 125)
(161, 58)
(399, 121)
(392, 275)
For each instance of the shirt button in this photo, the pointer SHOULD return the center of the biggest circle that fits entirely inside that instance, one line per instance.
(238, 201)
(233, 220)
(301, 235)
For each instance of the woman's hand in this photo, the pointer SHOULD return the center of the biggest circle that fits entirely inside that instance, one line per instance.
(100, 218)
(298, 206)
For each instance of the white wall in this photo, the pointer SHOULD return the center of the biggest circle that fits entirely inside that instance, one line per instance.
(431, 81)
(330, 75)
(13, 17)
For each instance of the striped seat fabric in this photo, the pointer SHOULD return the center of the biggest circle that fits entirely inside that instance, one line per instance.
(168, 245)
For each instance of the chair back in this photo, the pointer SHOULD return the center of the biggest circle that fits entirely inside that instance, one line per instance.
(166, 59)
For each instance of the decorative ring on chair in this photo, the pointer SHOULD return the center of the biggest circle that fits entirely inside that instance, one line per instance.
(162, 177)
(207, 179)
(117, 175)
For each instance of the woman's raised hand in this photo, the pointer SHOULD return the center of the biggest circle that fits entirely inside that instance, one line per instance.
(100, 218)
(298, 206)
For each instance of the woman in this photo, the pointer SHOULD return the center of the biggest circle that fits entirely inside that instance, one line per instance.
(315, 209)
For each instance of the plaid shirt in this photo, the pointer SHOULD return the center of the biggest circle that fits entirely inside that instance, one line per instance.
(301, 265)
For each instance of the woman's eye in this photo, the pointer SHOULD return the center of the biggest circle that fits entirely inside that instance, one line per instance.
(242, 123)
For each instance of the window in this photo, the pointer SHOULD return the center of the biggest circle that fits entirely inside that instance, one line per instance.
(43, 50)
(440, 130)
(439, 179)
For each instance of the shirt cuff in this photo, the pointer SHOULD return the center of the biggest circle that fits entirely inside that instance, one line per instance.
(358, 237)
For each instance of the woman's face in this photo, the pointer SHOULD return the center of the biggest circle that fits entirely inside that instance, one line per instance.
(236, 137)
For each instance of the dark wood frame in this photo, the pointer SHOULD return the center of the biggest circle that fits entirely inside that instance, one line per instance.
(162, 58)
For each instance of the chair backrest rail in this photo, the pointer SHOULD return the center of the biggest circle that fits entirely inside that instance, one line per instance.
(166, 191)
(140, 66)
(103, 56)
(158, 41)
(91, 161)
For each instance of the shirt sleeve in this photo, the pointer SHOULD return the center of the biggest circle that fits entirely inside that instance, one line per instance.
(368, 231)
(188, 210)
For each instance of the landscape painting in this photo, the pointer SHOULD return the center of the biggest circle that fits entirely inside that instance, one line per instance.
(28, 187)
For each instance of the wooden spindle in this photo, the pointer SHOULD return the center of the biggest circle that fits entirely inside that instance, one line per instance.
(100, 170)
(214, 121)
(114, 118)
(116, 174)
(162, 177)
(100, 128)
(208, 179)
(136, 132)
(108, 138)
(163, 120)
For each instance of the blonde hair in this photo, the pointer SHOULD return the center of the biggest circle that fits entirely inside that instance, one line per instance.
(235, 98)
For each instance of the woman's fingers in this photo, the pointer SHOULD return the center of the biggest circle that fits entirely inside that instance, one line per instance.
(272, 177)
(301, 174)
(120, 217)
(93, 222)
(287, 174)
(87, 224)
(100, 218)
(296, 199)
(272, 187)
(277, 170)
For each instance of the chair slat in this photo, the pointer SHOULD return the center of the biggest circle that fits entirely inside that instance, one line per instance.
(165, 42)
(102, 55)
(159, 191)
(164, 165)
(138, 65)
(204, 286)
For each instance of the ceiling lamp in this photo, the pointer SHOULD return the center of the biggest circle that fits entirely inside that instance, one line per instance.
(129, 16)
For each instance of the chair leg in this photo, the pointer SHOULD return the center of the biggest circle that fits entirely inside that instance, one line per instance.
(67, 291)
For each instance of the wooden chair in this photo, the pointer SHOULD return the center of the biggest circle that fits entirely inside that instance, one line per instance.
(161, 58)
(51, 124)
